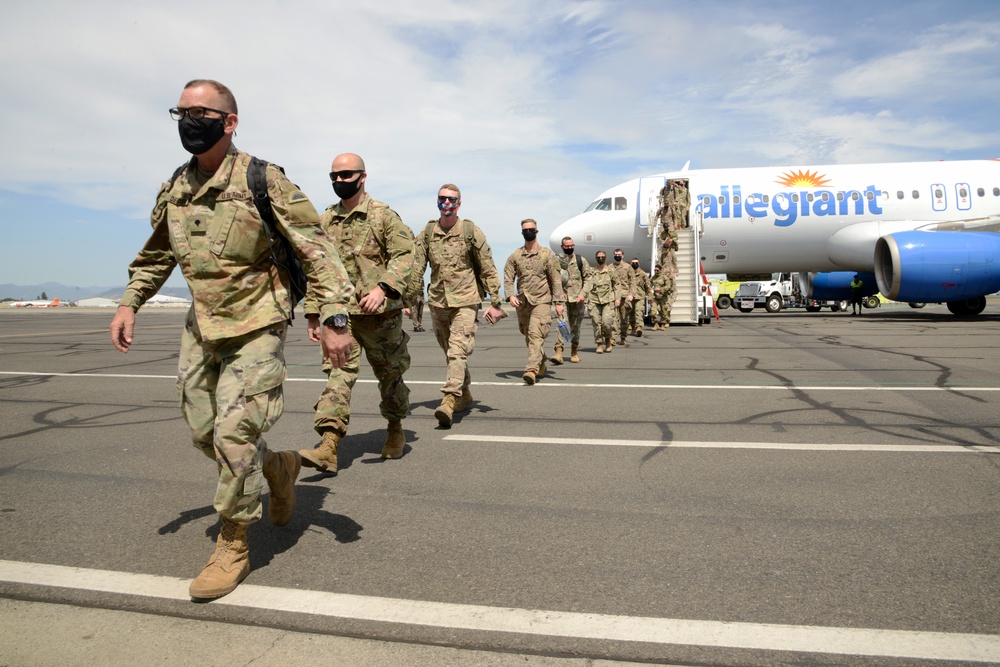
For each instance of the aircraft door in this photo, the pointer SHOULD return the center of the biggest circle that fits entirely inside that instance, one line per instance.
(963, 195)
(649, 201)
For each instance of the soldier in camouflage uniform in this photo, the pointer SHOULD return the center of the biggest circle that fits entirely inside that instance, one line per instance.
(539, 285)
(626, 295)
(377, 251)
(603, 299)
(662, 298)
(577, 285)
(462, 273)
(232, 359)
(641, 282)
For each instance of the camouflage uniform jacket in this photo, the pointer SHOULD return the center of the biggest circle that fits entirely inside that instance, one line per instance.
(577, 284)
(376, 249)
(603, 286)
(626, 279)
(662, 284)
(641, 282)
(537, 274)
(453, 278)
(214, 232)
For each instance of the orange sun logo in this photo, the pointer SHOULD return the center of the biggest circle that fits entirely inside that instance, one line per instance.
(802, 179)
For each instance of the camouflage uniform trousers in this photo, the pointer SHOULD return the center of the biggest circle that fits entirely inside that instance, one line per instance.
(534, 321)
(384, 343)
(603, 315)
(455, 330)
(230, 393)
(574, 320)
(624, 319)
(638, 311)
(662, 306)
(417, 313)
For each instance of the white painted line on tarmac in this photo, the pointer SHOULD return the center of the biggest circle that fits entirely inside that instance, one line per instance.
(567, 385)
(815, 447)
(663, 631)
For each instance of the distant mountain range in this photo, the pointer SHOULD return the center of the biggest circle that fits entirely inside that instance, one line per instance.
(68, 294)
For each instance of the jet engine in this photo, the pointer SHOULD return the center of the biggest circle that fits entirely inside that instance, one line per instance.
(957, 268)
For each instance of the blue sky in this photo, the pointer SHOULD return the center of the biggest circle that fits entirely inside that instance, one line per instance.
(532, 108)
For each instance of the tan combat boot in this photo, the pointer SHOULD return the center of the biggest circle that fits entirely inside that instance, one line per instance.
(394, 440)
(324, 457)
(608, 344)
(600, 348)
(281, 469)
(228, 566)
(528, 377)
(463, 401)
(574, 357)
(557, 359)
(542, 369)
(446, 410)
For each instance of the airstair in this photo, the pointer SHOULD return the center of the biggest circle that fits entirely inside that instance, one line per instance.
(688, 300)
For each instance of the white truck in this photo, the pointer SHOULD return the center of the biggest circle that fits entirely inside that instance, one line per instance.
(782, 291)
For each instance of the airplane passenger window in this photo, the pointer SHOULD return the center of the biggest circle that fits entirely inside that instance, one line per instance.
(621, 203)
(765, 199)
(996, 192)
(870, 196)
(705, 201)
(938, 194)
(722, 200)
(980, 192)
(826, 196)
(795, 197)
(840, 196)
(916, 194)
(899, 194)
(736, 199)
(963, 193)
(855, 196)
(809, 197)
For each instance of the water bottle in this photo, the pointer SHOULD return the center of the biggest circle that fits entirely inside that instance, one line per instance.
(564, 331)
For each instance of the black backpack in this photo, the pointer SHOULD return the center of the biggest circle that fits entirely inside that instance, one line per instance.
(285, 256)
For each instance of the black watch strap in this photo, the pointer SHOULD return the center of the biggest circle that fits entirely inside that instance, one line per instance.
(336, 321)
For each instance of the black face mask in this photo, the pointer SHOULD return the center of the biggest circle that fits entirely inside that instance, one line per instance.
(618, 258)
(529, 234)
(199, 135)
(568, 251)
(347, 189)
(601, 260)
(635, 265)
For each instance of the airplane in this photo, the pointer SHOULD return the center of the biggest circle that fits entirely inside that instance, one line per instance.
(35, 304)
(923, 232)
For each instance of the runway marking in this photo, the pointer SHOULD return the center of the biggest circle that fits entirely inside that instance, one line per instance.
(562, 385)
(664, 631)
(816, 447)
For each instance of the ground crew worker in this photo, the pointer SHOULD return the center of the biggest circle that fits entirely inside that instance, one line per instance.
(231, 363)
(577, 272)
(539, 286)
(377, 251)
(416, 311)
(626, 294)
(857, 295)
(663, 298)
(462, 273)
(642, 287)
(603, 299)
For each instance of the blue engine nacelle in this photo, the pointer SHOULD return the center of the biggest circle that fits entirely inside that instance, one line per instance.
(835, 286)
(937, 267)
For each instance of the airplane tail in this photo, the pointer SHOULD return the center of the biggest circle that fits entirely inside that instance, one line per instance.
(55, 302)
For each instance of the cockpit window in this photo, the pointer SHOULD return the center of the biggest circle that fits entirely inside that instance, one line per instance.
(621, 203)
(601, 204)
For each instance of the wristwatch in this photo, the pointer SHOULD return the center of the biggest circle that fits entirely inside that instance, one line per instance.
(336, 321)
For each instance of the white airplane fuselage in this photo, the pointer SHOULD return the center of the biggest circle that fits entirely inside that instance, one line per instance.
(896, 222)
(813, 218)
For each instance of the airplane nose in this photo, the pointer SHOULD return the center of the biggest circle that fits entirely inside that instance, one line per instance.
(569, 228)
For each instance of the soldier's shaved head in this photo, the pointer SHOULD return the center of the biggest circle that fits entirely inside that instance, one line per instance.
(348, 162)
(229, 100)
